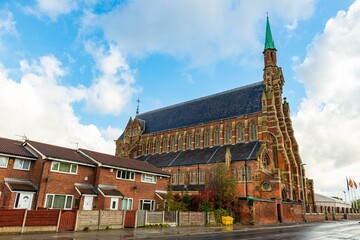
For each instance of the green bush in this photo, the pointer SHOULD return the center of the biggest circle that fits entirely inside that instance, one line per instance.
(219, 213)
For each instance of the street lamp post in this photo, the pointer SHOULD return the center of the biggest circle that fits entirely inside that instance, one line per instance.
(302, 187)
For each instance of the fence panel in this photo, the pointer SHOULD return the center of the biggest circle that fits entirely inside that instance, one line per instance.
(112, 219)
(141, 214)
(88, 219)
(42, 218)
(12, 218)
(170, 217)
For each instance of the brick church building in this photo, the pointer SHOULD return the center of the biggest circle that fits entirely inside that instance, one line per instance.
(248, 127)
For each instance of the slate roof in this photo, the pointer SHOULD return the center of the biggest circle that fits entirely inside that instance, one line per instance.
(60, 153)
(13, 147)
(121, 162)
(239, 152)
(191, 187)
(223, 105)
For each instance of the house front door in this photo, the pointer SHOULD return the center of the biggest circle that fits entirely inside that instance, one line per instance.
(24, 200)
(88, 203)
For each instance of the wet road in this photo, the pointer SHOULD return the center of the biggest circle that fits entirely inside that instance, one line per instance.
(346, 229)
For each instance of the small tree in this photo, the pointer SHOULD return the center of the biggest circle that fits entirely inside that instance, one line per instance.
(221, 184)
(172, 202)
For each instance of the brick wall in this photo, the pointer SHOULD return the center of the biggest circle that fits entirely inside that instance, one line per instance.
(292, 212)
(63, 183)
(134, 189)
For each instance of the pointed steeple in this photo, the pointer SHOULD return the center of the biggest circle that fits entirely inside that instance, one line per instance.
(269, 50)
(269, 42)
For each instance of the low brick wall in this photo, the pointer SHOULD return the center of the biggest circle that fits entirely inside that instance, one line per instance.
(315, 217)
(292, 212)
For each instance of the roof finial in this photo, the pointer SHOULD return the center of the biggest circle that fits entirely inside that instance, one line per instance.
(137, 109)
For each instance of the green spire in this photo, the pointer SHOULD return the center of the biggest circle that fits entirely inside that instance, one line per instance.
(269, 42)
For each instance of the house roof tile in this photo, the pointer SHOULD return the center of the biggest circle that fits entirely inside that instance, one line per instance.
(122, 162)
(14, 147)
(61, 153)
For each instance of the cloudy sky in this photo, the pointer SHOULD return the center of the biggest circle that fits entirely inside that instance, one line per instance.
(71, 71)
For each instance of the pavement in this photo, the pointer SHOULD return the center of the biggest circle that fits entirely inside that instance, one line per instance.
(156, 233)
(151, 232)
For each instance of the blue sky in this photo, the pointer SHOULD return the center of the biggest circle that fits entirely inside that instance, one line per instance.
(71, 71)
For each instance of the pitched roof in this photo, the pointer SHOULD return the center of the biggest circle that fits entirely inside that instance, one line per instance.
(228, 104)
(239, 152)
(13, 147)
(61, 153)
(109, 191)
(122, 162)
(20, 185)
(85, 189)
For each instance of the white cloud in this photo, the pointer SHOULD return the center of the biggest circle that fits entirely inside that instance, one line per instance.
(7, 23)
(52, 9)
(38, 106)
(190, 30)
(112, 89)
(292, 26)
(327, 124)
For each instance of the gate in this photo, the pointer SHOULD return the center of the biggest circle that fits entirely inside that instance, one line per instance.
(67, 220)
(130, 218)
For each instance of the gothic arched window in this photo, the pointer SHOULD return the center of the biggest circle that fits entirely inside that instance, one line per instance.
(180, 143)
(143, 148)
(216, 136)
(253, 131)
(228, 134)
(240, 132)
(157, 146)
(188, 141)
(164, 144)
(172, 143)
(246, 173)
(207, 138)
(197, 140)
(266, 162)
(150, 147)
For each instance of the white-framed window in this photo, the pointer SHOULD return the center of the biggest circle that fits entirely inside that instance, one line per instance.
(127, 204)
(21, 164)
(59, 201)
(64, 167)
(146, 204)
(114, 202)
(127, 175)
(4, 162)
(148, 178)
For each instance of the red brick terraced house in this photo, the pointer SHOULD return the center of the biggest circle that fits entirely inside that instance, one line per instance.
(19, 174)
(248, 127)
(36, 175)
(141, 184)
